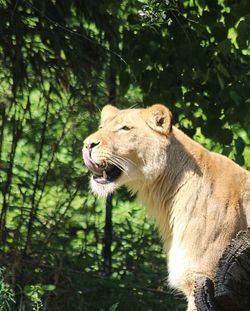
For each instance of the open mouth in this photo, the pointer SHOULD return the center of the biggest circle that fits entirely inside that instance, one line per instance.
(102, 174)
(108, 175)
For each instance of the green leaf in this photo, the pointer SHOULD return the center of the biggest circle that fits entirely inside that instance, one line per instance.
(114, 307)
(222, 69)
(49, 287)
(221, 81)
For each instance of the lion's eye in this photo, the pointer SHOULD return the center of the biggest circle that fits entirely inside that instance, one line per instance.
(125, 128)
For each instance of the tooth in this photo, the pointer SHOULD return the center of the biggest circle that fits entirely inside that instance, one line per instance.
(104, 175)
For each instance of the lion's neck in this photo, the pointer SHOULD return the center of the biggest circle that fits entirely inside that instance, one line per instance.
(164, 197)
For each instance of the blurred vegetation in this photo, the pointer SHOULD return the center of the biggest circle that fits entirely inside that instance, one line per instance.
(60, 62)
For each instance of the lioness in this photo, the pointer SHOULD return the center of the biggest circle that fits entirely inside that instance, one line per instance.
(199, 199)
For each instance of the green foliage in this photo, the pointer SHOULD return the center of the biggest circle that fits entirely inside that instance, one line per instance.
(113, 307)
(60, 62)
(34, 293)
(6, 293)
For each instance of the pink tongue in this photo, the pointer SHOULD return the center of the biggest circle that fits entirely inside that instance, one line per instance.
(91, 165)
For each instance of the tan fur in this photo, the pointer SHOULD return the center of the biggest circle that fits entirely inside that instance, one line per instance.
(199, 199)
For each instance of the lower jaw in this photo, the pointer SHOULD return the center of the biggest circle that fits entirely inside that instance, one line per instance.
(108, 177)
(103, 189)
(101, 180)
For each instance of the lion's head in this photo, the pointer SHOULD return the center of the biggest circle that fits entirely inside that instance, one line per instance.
(128, 147)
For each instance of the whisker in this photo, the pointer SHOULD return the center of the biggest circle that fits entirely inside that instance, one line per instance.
(134, 106)
(119, 165)
(124, 159)
(119, 158)
(111, 159)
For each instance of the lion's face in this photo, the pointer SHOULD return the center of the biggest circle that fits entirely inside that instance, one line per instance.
(128, 147)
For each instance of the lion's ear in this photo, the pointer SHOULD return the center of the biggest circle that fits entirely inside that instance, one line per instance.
(107, 112)
(159, 118)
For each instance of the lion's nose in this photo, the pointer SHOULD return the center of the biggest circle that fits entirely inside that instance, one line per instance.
(91, 144)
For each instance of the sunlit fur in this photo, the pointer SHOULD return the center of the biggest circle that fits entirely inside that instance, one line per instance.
(199, 199)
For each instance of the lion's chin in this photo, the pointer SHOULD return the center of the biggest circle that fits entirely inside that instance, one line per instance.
(103, 187)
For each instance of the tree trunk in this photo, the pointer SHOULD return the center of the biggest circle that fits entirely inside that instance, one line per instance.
(107, 254)
(204, 295)
(231, 291)
(232, 282)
